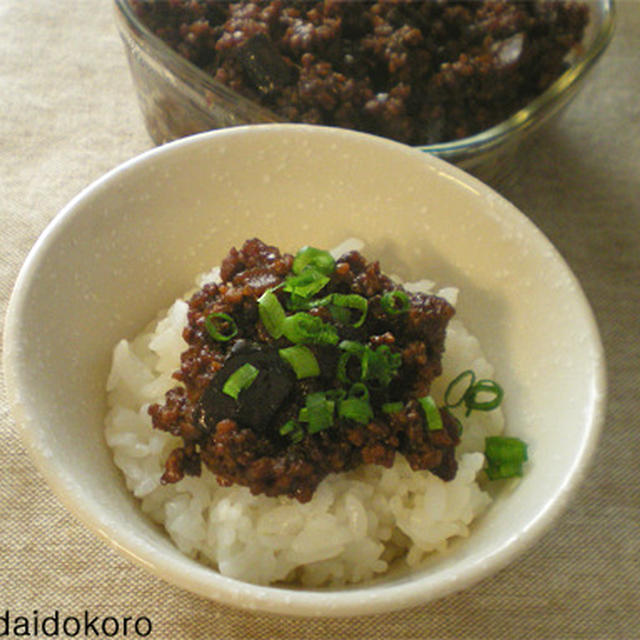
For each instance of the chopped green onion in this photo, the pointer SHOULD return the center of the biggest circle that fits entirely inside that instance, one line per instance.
(471, 392)
(356, 409)
(287, 427)
(359, 390)
(303, 414)
(298, 303)
(319, 412)
(505, 449)
(339, 303)
(292, 429)
(505, 457)
(351, 346)
(483, 386)
(392, 407)
(240, 380)
(302, 361)
(352, 349)
(221, 326)
(395, 302)
(431, 413)
(310, 256)
(336, 395)
(352, 301)
(450, 404)
(305, 284)
(341, 372)
(341, 315)
(504, 471)
(271, 313)
(303, 327)
(381, 365)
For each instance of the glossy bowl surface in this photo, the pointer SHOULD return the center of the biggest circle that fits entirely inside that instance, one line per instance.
(132, 242)
(178, 99)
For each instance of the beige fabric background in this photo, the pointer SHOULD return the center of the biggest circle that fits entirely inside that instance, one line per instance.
(69, 113)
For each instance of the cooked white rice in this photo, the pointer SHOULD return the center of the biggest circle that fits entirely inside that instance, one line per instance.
(356, 523)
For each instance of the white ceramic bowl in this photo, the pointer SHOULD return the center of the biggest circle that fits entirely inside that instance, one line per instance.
(131, 243)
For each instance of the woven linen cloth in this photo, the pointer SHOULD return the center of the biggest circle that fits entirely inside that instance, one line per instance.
(69, 114)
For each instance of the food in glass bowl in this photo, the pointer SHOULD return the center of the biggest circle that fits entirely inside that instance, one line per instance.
(307, 419)
(417, 72)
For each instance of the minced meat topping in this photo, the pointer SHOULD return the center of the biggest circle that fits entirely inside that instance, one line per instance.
(298, 367)
(420, 72)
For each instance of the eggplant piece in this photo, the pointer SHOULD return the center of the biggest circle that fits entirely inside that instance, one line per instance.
(256, 405)
(263, 66)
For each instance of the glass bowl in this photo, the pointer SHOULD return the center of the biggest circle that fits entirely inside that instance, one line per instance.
(178, 99)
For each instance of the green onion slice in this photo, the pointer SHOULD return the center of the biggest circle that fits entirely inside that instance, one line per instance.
(317, 258)
(395, 302)
(303, 327)
(298, 303)
(351, 301)
(287, 427)
(271, 313)
(431, 413)
(473, 393)
(450, 403)
(298, 434)
(352, 349)
(392, 407)
(381, 364)
(292, 429)
(240, 380)
(305, 284)
(351, 346)
(221, 326)
(302, 361)
(319, 412)
(342, 372)
(341, 315)
(495, 391)
(340, 305)
(359, 390)
(505, 457)
(356, 409)
(336, 395)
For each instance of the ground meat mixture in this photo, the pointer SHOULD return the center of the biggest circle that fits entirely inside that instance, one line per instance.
(420, 72)
(242, 440)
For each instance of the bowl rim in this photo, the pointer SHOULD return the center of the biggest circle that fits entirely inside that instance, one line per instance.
(483, 142)
(204, 581)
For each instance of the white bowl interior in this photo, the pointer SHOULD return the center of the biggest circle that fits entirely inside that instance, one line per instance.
(132, 242)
